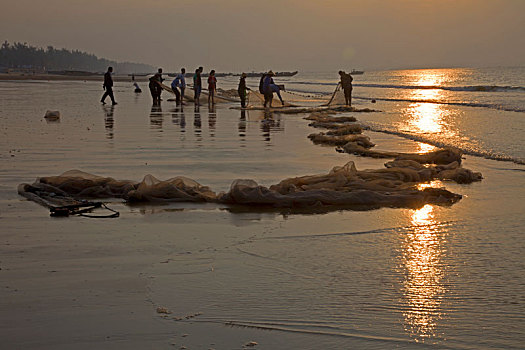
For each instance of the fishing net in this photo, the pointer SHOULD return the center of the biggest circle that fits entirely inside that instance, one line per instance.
(343, 186)
(221, 96)
(255, 100)
(337, 98)
(177, 189)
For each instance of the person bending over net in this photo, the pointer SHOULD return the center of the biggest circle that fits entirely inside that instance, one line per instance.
(269, 87)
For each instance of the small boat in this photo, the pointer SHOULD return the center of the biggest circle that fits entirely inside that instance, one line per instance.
(79, 73)
(356, 72)
(204, 75)
(277, 74)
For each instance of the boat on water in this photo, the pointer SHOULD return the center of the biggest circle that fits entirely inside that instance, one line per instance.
(190, 74)
(276, 74)
(356, 72)
(251, 74)
(73, 73)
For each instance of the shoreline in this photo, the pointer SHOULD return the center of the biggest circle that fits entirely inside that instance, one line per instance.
(59, 77)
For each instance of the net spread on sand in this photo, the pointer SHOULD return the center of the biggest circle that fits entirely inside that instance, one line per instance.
(343, 186)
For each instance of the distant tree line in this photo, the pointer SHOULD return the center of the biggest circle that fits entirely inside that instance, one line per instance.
(20, 55)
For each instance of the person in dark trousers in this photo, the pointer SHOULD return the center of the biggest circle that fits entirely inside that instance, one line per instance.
(108, 86)
(267, 89)
(155, 87)
(197, 84)
(212, 87)
(346, 84)
(179, 83)
(242, 90)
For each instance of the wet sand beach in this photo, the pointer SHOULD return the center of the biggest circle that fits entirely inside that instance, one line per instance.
(431, 277)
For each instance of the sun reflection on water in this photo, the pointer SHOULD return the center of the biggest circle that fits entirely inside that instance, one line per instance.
(427, 117)
(425, 147)
(423, 287)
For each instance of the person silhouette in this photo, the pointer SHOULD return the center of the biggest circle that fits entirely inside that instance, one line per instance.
(108, 86)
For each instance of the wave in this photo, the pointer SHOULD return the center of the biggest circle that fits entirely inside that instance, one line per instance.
(473, 88)
(311, 328)
(443, 144)
(500, 107)
(465, 104)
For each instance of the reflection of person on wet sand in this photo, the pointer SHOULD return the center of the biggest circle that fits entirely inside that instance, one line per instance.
(212, 120)
(109, 121)
(266, 125)
(178, 118)
(242, 124)
(197, 122)
(155, 116)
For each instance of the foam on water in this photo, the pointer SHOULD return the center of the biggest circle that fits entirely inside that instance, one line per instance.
(470, 149)
(477, 88)
(464, 104)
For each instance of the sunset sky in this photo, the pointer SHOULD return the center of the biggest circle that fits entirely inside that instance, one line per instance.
(233, 35)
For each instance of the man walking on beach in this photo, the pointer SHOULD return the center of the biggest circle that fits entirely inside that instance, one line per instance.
(346, 84)
(108, 86)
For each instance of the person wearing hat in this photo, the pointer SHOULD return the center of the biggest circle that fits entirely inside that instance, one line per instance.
(267, 89)
(242, 90)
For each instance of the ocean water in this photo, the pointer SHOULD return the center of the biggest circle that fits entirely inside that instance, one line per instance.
(433, 277)
(477, 110)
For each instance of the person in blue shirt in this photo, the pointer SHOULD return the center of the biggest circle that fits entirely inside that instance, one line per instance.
(179, 83)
